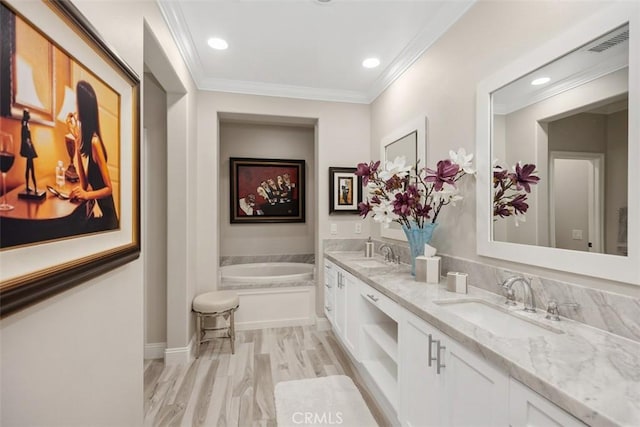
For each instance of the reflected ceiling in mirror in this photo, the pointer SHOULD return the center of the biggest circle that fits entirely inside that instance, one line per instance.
(569, 118)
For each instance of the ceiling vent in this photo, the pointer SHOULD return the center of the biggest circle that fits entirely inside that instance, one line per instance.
(610, 42)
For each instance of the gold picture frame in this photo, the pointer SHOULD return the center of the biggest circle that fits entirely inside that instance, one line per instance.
(60, 258)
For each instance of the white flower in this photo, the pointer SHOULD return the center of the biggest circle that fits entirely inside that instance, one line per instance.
(496, 167)
(462, 159)
(518, 219)
(448, 194)
(397, 167)
(383, 213)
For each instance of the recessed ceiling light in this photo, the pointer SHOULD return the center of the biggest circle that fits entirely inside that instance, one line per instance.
(217, 43)
(540, 81)
(371, 63)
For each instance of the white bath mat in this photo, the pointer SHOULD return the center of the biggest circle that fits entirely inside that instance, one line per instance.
(326, 401)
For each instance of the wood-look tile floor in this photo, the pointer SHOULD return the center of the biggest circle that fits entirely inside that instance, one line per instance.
(221, 389)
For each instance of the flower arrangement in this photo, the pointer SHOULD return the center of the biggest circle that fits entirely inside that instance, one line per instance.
(511, 189)
(399, 193)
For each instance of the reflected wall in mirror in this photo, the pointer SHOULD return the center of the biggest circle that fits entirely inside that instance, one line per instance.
(581, 126)
(570, 119)
(407, 141)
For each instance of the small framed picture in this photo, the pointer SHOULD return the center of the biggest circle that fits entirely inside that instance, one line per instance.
(345, 190)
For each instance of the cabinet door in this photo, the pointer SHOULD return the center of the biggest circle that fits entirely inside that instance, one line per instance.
(420, 385)
(528, 408)
(330, 284)
(352, 320)
(340, 312)
(476, 393)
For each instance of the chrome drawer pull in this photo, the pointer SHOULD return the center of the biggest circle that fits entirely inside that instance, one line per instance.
(431, 341)
(438, 364)
(328, 286)
(373, 298)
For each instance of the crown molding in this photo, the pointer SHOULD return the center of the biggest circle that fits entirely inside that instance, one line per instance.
(176, 22)
(578, 79)
(279, 90)
(434, 28)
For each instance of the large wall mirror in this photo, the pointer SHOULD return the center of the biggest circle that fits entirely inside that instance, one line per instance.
(571, 109)
(408, 141)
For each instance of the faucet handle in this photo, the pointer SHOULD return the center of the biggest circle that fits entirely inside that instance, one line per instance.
(553, 312)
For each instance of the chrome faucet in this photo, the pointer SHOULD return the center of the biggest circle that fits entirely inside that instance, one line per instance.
(389, 256)
(507, 285)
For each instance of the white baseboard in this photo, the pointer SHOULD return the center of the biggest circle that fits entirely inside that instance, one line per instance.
(180, 355)
(154, 350)
(280, 323)
(322, 323)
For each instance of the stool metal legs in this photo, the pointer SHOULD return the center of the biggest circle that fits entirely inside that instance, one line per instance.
(198, 333)
(201, 330)
(232, 332)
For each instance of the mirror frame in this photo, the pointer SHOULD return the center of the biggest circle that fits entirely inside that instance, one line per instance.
(611, 267)
(418, 125)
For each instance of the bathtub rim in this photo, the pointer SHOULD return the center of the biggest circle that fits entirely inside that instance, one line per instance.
(257, 280)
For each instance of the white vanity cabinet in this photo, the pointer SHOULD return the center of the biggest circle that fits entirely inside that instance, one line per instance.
(528, 408)
(349, 291)
(444, 384)
(380, 320)
(420, 383)
(330, 283)
(341, 305)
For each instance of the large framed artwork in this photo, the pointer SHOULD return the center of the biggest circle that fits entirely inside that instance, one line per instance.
(267, 190)
(345, 190)
(69, 153)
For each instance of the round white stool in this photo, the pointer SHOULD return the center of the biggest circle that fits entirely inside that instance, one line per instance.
(215, 304)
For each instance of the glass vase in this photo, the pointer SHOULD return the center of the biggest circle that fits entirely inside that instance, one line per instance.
(417, 238)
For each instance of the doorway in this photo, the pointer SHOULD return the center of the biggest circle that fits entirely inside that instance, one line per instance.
(576, 193)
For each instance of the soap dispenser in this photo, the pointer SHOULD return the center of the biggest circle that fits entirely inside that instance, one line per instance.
(368, 248)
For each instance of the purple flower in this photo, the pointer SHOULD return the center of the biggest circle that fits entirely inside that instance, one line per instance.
(523, 177)
(394, 183)
(519, 203)
(366, 171)
(445, 173)
(501, 210)
(423, 211)
(406, 201)
(364, 208)
(499, 175)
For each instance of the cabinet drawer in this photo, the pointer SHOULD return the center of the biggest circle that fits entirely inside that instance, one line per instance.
(528, 408)
(383, 303)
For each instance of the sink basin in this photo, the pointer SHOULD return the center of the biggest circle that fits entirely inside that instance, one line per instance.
(497, 320)
(370, 263)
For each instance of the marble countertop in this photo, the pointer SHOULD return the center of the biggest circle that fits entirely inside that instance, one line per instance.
(592, 374)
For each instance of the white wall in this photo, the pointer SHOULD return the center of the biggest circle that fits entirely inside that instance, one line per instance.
(266, 142)
(342, 139)
(154, 150)
(76, 359)
(442, 83)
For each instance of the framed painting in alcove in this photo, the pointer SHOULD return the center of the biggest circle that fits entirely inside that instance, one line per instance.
(267, 190)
